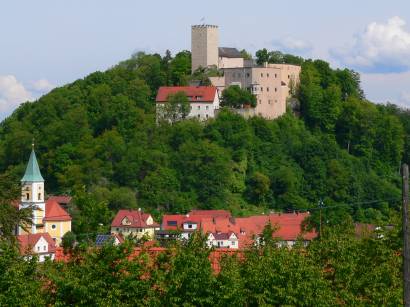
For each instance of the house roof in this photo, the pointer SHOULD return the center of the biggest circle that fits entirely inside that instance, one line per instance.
(32, 173)
(227, 52)
(54, 212)
(197, 93)
(211, 213)
(28, 241)
(136, 218)
(222, 235)
(61, 199)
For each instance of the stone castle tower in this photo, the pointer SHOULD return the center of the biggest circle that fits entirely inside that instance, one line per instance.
(204, 46)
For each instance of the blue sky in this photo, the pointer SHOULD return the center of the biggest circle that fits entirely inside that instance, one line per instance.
(48, 43)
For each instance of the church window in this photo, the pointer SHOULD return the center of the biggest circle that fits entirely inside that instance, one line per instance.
(27, 196)
(39, 196)
(53, 226)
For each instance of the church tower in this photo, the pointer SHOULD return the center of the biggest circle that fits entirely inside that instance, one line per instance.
(32, 194)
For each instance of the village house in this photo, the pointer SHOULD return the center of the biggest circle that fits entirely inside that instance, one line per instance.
(204, 100)
(134, 222)
(225, 231)
(40, 244)
(223, 240)
(48, 216)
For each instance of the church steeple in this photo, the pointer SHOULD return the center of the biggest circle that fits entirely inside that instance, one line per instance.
(32, 193)
(32, 173)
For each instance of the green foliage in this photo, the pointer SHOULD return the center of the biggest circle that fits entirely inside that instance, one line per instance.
(176, 108)
(277, 57)
(68, 241)
(235, 97)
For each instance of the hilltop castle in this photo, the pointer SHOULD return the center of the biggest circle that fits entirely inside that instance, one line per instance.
(270, 83)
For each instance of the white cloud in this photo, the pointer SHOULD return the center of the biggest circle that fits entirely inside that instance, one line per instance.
(12, 94)
(382, 47)
(291, 44)
(42, 85)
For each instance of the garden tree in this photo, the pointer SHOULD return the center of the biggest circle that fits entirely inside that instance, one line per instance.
(188, 279)
(20, 279)
(235, 97)
(10, 215)
(103, 277)
(177, 107)
(361, 271)
(68, 241)
(292, 278)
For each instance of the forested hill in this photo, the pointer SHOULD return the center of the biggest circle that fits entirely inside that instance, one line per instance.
(100, 133)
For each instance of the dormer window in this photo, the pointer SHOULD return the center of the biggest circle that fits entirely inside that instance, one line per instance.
(126, 221)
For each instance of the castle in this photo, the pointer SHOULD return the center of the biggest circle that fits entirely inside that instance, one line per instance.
(270, 83)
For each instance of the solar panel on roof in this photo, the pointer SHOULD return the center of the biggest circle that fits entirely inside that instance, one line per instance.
(101, 239)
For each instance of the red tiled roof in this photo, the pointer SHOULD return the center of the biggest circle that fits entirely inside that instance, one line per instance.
(198, 93)
(222, 235)
(246, 228)
(137, 219)
(28, 241)
(54, 212)
(211, 213)
(61, 199)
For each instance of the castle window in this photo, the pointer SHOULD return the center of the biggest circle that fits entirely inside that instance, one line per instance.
(261, 74)
(248, 75)
(267, 89)
(53, 226)
(276, 75)
(261, 89)
(276, 89)
(267, 75)
(288, 76)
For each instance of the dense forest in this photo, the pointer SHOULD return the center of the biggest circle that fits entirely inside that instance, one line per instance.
(97, 139)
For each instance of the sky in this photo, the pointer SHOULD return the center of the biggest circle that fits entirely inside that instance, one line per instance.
(48, 43)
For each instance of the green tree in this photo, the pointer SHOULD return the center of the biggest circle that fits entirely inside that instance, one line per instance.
(235, 97)
(176, 108)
